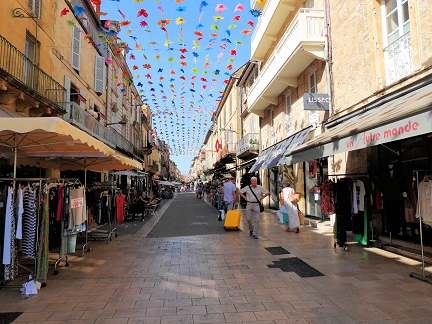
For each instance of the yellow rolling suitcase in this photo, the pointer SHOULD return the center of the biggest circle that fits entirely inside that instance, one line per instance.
(232, 220)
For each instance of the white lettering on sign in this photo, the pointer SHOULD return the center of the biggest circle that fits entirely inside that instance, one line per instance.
(317, 100)
(77, 202)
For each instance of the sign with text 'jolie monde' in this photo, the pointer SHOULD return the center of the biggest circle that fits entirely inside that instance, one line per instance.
(316, 101)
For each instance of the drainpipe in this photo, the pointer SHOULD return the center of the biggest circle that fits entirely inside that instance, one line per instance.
(328, 55)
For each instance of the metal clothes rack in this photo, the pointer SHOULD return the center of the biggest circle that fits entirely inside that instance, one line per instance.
(101, 235)
(421, 276)
(360, 174)
(65, 257)
(3, 284)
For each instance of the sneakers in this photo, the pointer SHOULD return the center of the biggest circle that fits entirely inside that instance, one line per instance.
(255, 237)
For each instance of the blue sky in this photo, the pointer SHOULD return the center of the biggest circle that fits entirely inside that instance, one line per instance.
(184, 70)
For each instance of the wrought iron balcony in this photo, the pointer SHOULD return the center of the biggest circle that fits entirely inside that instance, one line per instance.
(398, 59)
(77, 116)
(19, 71)
(248, 146)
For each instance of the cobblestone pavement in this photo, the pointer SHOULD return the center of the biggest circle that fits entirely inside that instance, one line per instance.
(221, 278)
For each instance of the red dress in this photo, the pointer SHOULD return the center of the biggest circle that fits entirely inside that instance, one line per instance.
(120, 202)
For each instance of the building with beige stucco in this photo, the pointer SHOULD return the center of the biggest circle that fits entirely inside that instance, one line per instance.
(287, 66)
(380, 126)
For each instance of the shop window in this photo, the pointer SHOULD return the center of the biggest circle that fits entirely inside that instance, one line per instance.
(288, 116)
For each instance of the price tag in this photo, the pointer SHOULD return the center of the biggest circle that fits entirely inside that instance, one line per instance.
(77, 202)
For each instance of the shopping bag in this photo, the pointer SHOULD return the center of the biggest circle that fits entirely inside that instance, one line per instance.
(279, 216)
(221, 215)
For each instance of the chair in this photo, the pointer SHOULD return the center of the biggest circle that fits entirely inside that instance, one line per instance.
(151, 209)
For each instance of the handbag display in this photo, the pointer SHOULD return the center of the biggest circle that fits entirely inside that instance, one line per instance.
(261, 206)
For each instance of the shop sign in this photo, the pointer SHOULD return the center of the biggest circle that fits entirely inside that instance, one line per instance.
(405, 128)
(218, 146)
(316, 101)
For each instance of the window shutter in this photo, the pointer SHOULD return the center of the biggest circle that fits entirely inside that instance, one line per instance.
(82, 94)
(37, 5)
(76, 48)
(67, 85)
(99, 74)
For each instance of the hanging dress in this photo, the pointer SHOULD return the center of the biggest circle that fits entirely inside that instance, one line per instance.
(293, 218)
(9, 247)
(20, 210)
(29, 224)
(42, 250)
(120, 203)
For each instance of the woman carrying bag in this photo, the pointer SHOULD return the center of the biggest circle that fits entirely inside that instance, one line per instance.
(289, 199)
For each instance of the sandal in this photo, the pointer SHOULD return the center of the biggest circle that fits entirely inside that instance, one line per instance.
(297, 230)
(287, 230)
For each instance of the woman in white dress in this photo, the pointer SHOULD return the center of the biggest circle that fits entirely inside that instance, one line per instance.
(291, 208)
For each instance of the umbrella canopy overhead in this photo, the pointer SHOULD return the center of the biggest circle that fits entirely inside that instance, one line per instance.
(51, 142)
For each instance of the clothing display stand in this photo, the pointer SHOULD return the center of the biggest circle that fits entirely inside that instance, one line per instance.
(374, 242)
(105, 235)
(29, 272)
(421, 276)
(65, 257)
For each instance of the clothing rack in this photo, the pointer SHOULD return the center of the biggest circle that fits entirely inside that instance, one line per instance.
(3, 283)
(101, 235)
(353, 175)
(421, 276)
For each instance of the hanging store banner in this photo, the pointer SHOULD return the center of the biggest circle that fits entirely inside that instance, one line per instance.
(272, 155)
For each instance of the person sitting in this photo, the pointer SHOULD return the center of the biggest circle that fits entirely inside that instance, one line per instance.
(143, 200)
(153, 200)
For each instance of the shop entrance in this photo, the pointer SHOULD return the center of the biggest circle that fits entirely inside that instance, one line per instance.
(316, 172)
(398, 160)
(274, 187)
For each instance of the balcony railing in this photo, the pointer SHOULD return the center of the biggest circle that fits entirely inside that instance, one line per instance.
(398, 59)
(83, 120)
(16, 65)
(250, 142)
(263, 13)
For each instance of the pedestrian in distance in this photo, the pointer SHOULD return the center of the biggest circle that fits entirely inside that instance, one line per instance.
(288, 199)
(253, 204)
(229, 193)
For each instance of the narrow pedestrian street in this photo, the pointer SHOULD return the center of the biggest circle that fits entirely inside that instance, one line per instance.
(206, 275)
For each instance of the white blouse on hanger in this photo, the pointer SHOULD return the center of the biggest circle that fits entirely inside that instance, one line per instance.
(7, 247)
(424, 204)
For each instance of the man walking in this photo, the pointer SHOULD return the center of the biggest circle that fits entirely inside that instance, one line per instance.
(229, 193)
(253, 204)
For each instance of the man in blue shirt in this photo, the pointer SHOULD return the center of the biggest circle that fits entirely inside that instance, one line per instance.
(229, 193)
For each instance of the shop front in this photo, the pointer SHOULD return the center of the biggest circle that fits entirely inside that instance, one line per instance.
(387, 145)
(268, 162)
